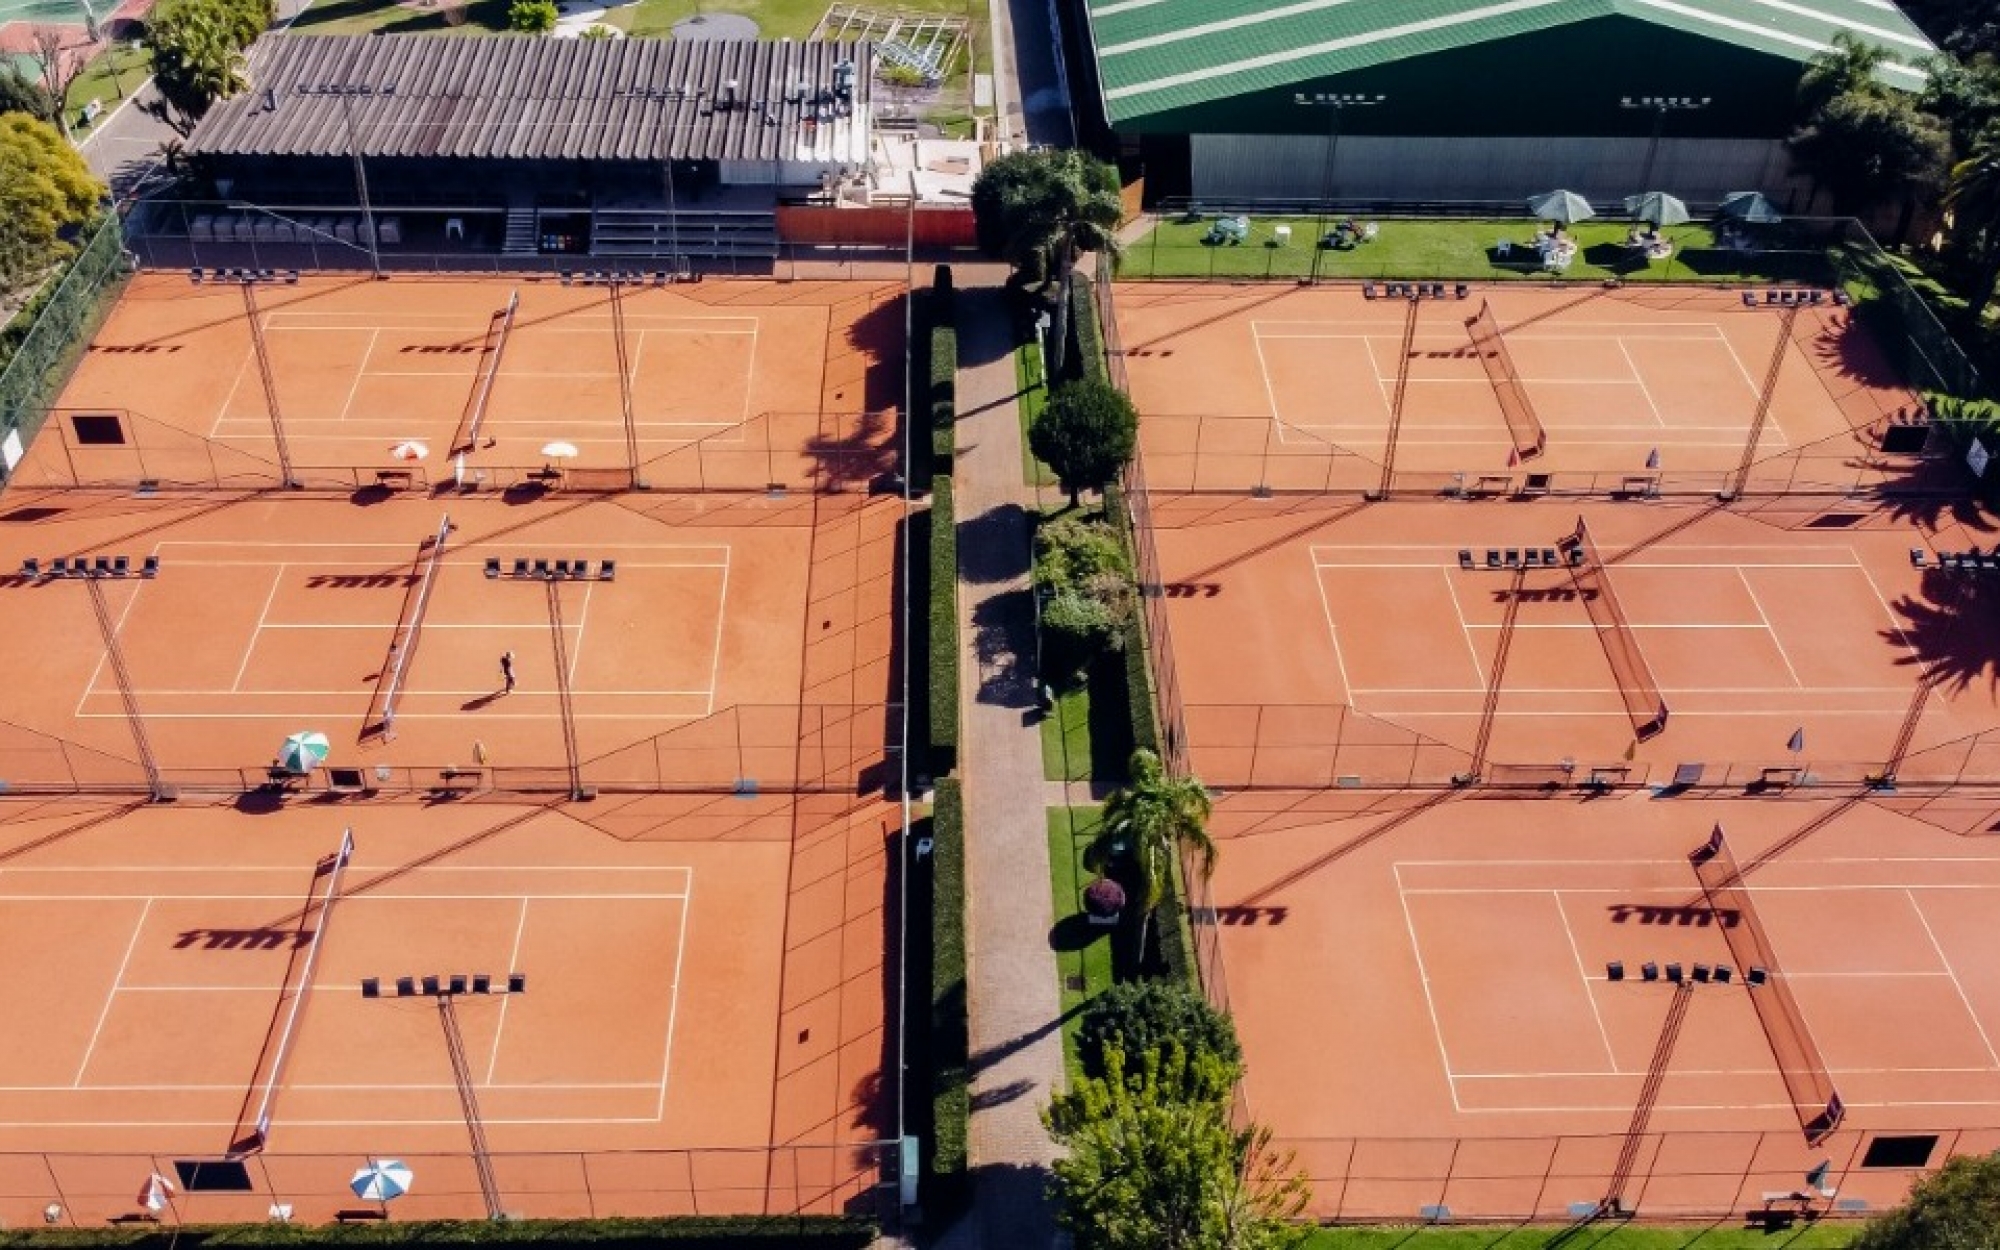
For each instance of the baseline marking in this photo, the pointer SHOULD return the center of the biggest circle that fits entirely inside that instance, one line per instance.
(111, 995)
(1424, 979)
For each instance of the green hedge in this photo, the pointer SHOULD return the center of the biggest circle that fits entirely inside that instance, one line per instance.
(949, 1183)
(699, 1232)
(1138, 679)
(943, 631)
(918, 437)
(1087, 358)
(943, 369)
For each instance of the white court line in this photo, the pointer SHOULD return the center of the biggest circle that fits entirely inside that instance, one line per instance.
(750, 369)
(1332, 632)
(117, 631)
(370, 899)
(1645, 390)
(715, 660)
(290, 1122)
(637, 717)
(1776, 641)
(674, 999)
(1576, 953)
(250, 647)
(1956, 984)
(111, 995)
(236, 384)
(354, 387)
(1385, 329)
(576, 652)
(632, 369)
(1264, 373)
(1381, 387)
(500, 1026)
(1733, 713)
(1464, 629)
(1888, 613)
(323, 1087)
(153, 870)
(1424, 979)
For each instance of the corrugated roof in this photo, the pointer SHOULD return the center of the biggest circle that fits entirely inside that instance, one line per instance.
(522, 98)
(1158, 55)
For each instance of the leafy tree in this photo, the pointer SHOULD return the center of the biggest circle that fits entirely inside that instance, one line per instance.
(62, 63)
(1955, 1208)
(532, 17)
(1864, 141)
(1140, 1016)
(1964, 95)
(21, 94)
(1039, 210)
(1151, 1162)
(1147, 823)
(197, 48)
(1072, 549)
(45, 189)
(1086, 434)
(1973, 199)
(1967, 27)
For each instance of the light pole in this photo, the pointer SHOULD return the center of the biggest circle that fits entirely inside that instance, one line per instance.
(1660, 105)
(1334, 102)
(360, 174)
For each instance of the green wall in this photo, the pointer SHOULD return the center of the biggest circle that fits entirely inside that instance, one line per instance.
(1566, 81)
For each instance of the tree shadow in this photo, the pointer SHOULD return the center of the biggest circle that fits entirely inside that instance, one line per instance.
(859, 454)
(995, 545)
(1951, 630)
(877, 336)
(1074, 933)
(1004, 641)
(984, 322)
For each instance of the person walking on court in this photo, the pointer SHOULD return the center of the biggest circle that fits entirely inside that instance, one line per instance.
(507, 672)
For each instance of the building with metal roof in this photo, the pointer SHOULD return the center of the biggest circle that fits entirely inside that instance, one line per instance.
(533, 139)
(1473, 99)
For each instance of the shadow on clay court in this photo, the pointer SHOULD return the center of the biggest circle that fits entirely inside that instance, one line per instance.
(484, 700)
(1952, 633)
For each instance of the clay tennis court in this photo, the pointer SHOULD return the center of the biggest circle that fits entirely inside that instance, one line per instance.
(1424, 989)
(692, 992)
(1293, 388)
(1322, 642)
(694, 665)
(730, 385)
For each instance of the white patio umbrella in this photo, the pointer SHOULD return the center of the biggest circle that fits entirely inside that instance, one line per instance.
(560, 451)
(1656, 207)
(382, 1180)
(409, 449)
(1753, 207)
(304, 751)
(153, 1193)
(1566, 207)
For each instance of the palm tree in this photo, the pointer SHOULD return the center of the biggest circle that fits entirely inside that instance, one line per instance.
(1847, 65)
(1147, 823)
(1972, 196)
(1039, 210)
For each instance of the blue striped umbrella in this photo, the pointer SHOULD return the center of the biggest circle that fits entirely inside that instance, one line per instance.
(382, 1180)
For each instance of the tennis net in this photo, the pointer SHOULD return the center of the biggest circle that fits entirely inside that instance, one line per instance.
(1526, 427)
(382, 716)
(1805, 1073)
(334, 868)
(473, 420)
(1644, 702)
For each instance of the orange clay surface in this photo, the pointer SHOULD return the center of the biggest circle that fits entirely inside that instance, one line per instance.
(704, 974)
(1292, 387)
(1299, 627)
(728, 382)
(703, 1023)
(1444, 982)
(273, 614)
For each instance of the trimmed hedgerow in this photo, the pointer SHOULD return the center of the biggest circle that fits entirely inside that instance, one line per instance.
(699, 1232)
(948, 1182)
(943, 631)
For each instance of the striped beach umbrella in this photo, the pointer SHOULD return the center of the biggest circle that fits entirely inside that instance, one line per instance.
(304, 751)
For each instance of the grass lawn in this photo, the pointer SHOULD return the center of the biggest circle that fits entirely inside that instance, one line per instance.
(367, 17)
(1454, 249)
(1033, 397)
(112, 75)
(1611, 1236)
(1066, 737)
(776, 19)
(1083, 955)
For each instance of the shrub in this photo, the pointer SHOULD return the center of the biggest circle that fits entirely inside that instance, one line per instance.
(687, 1232)
(532, 17)
(1088, 358)
(943, 631)
(944, 376)
(949, 1094)
(1142, 1016)
(1075, 629)
(1073, 550)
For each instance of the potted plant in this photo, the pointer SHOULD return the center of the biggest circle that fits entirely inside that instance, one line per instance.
(1103, 902)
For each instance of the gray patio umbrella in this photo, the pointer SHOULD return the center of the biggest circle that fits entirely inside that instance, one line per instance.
(1656, 207)
(1751, 207)
(1566, 207)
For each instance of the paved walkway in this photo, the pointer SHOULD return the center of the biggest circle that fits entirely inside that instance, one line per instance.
(1017, 1059)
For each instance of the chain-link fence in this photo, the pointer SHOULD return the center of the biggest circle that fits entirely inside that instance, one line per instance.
(40, 367)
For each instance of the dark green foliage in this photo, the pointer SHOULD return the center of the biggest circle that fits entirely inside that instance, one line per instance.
(1957, 1206)
(1084, 578)
(948, 1182)
(695, 1232)
(22, 94)
(941, 368)
(944, 376)
(1088, 361)
(41, 346)
(1865, 142)
(46, 192)
(532, 17)
(1140, 1016)
(1086, 435)
(943, 608)
(197, 48)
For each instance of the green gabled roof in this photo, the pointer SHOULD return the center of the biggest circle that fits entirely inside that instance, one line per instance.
(1157, 55)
